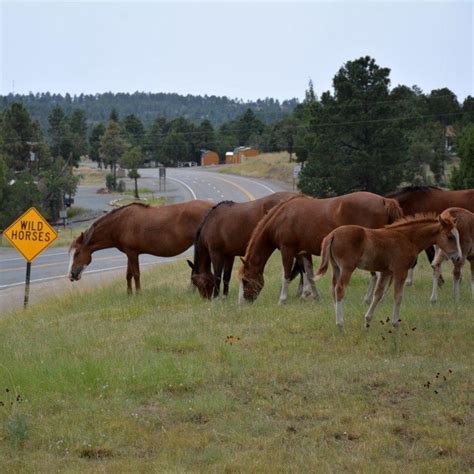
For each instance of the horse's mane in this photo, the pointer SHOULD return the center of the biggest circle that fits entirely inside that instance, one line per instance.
(413, 189)
(269, 216)
(197, 237)
(419, 218)
(88, 233)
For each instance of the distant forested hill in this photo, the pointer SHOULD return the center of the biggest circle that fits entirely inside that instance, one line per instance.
(147, 106)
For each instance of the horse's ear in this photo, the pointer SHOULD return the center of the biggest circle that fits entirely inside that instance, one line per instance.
(242, 259)
(80, 239)
(191, 264)
(448, 223)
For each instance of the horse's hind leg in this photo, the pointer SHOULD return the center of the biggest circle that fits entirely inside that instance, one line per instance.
(287, 256)
(309, 288)
(340, 291)
(229, 263)
(218, 267)
(471, 261)
(370, 290)
(134, 267)
(378, 295)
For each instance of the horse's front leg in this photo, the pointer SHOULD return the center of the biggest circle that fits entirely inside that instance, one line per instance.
(398, 284)
(382, 281)
(129, 276)
(409, 280)
(436, 264)
(370, 289)
(287, 257)
(457, 273)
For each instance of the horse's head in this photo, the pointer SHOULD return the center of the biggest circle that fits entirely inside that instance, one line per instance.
(80, 256)
(204, 282)
(448, 238)
(251, 282)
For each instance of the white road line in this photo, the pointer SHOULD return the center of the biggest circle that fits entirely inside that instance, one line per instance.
(193, 194)
(87, 272)
(39, 256)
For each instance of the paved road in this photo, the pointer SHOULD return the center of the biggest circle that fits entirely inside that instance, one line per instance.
(182, 185)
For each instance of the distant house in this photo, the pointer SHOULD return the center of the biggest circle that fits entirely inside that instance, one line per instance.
(209, 158)
(240, 154)
(449, 136)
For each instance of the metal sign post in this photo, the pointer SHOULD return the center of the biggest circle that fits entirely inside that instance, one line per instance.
(296, 173)
(30, 234)
(27, 284)
(162, 181)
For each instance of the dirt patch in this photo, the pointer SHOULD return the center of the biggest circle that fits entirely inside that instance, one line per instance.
(96, 453)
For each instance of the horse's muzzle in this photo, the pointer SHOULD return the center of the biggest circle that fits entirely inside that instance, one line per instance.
(75, 275)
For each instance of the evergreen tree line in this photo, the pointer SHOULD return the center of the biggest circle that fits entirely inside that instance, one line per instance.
(147, 106)
(364, 135)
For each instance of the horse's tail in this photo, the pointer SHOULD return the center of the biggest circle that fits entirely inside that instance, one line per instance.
(325, 255)
(393, 209)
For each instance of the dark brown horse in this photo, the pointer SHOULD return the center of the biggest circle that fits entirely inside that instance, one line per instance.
(417, 199)
(390, 251)
(299, 225)
(137, 228)
(224, 234)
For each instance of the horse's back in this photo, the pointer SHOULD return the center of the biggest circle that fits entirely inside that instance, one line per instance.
(360, 208)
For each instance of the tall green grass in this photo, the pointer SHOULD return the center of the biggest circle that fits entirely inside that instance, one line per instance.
(102, 382)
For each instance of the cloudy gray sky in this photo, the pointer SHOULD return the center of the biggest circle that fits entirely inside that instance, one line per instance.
(240, 49)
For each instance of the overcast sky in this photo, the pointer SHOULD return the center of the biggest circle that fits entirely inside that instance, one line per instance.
(247, 50)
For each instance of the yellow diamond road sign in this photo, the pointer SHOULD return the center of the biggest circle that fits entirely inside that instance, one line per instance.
(30, 234)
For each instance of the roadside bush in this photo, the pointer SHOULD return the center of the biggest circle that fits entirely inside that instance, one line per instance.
(110, 182)
(121, 186)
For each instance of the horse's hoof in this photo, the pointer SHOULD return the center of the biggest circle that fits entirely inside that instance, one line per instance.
(340, 327)
(282, 301)
(433, 301)
(396, 324)
(408, 283)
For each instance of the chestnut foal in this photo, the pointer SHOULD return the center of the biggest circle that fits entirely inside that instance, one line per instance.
(465, 225)
(390, 250)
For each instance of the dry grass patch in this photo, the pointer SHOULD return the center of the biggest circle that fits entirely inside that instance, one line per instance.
(275, 166)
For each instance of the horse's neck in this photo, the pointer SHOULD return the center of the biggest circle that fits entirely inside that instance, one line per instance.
(261, 250)
(422, 235)
(101, 238)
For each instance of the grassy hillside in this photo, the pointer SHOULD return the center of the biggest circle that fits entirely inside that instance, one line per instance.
(165, 382)
(274, 166)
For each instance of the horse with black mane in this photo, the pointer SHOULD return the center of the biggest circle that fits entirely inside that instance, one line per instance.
(299, 225)
(138, 228)
(224, 234)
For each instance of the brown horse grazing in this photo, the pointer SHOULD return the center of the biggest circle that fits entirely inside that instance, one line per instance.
(465, 225)
(224, 234)
(299, 225)
(417, 199)
(138, 228)
(390, 251)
